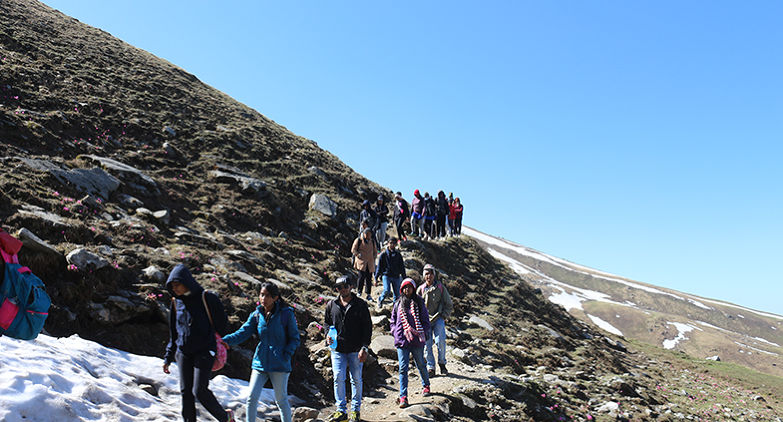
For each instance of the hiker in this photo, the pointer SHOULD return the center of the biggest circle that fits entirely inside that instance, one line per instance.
(439, 307)
(275, 324)
(428, 218)
(410, 323)
(192, 342)
(401, 213)
(364, 252)
(369, 216)
(442, 212)
(452, 215)
(348, 313)
(457, 216)
(390, 269)
(417, 211)
(382, 213)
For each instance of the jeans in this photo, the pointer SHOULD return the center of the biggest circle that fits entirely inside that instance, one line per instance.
(452, 230)
(280, 384)
(194, 374)
(390, 284)
(416, 223)
(438, 336)
(403, 359)
(380, 234)
(342, 363)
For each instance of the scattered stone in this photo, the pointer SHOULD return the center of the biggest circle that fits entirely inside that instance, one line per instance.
(317, 171)
(129, 201)
(163, 216)
(301, 414)
(380, 321)
(85, 260)
(481, 323)
(30, 240)
(153, 273)
(323, 204)
(716, 358)
(93, 181)
(383, 346)
(170, 130)
(105, 250)
(132, 176)
(38, 213)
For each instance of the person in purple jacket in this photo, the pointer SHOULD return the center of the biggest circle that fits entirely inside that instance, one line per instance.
(409, 324)
(417, 212)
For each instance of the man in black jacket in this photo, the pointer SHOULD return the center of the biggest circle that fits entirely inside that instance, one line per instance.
(192, 342)
(349, 314)
(391, 269)
(401, 214)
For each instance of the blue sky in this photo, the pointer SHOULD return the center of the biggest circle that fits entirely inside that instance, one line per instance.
(639, 138)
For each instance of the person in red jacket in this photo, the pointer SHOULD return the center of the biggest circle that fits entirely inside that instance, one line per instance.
(456, 208)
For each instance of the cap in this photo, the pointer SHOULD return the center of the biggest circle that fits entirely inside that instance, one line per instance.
(365, 203)
(416, 192)
(429, 267)
(407, 282)
(344, 280)
(380, 198)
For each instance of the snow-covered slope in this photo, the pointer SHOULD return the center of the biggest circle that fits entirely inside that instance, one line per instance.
(71, 379)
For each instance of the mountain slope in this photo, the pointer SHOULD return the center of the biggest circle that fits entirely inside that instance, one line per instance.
(664, 317)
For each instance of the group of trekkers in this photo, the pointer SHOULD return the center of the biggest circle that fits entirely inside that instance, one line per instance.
(417, 320)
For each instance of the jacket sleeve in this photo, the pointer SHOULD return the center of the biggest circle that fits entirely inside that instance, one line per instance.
(292, 333)
(448, 304)
(328, 315)
(355, 247)
(171, 348)
(244, 332)
(425, 317)
(366, 326)
(219, 317)
(382, 264)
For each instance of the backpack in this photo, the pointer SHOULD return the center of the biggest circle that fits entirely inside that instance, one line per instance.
(24, 304)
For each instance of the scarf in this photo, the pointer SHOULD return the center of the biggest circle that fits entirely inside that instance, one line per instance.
(411, 332)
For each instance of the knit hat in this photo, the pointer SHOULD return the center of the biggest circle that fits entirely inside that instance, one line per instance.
(407, 282)
(416, 192)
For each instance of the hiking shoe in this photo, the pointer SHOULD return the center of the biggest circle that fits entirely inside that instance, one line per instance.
(426, 391)
(338, 416)
(354, 417)
(431, 372)
(403, 402)
(443, 370)
(230, 414)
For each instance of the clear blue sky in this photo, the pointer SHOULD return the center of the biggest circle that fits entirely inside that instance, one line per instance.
(640, 138)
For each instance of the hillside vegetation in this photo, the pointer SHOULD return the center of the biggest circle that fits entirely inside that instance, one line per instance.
(118, 165)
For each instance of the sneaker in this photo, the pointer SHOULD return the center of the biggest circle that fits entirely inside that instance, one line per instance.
(431, 372)
(354, 417)
(230, 414)
(443, 370)
(426, 391)
(338, 416)
(403, 402)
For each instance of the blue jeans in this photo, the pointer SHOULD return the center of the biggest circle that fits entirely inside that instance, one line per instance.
(438, 336)
(403, 359)
(279, 383)
(390, 285)
(342, 363)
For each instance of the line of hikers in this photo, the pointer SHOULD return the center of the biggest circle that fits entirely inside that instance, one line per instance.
(417, 324)
(426, 215)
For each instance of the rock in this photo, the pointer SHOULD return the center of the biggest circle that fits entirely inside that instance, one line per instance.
(153, 273)
(93, 181)
(105, 250)
(458, 353)
(716, 358)
(144, 212)
(315, 331)
(758, 398)
(171, 151)
(302, 414)
(131, 176)
(610, 407)
(317, 171)
(33, 242)
(380, 321)
(129, 201)
(323, 204)
(384, 346)
(552, 333)
(85, 260)
(247, 184)
(170, 130)
(163, 216)
(247, 278)
(481, 323)
(47, 218)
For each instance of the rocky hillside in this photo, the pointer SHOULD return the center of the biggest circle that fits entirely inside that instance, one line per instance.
(118, 165)
(667, 318)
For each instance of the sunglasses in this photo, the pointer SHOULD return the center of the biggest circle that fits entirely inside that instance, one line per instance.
(342, 286)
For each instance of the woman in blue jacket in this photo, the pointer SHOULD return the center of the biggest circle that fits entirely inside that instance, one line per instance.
(274, 322)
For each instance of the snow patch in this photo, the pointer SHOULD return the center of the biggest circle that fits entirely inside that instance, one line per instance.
(754, 349)
(682, 329)
(604, 325)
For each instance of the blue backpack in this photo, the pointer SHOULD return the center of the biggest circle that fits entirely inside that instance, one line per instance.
(24, 304)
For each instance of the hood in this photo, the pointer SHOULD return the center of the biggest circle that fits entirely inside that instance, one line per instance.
(181, 274)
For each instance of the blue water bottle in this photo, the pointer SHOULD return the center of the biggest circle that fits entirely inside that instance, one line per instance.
(333, 336)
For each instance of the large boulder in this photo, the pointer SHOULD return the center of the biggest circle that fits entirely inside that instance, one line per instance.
(323, 204)
(384, 346)
(93, 181)
(85, 260)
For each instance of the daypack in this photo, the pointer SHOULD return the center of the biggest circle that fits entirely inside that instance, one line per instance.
(24, 304)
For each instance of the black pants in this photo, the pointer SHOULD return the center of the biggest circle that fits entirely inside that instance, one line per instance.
(458, 225)
(194, 374)
(400, 224)
(364, 276)
(441, 223)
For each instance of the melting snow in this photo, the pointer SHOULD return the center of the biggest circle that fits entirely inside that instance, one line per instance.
(754, 349)
(681, 330)
(604, 325)
(71, 379)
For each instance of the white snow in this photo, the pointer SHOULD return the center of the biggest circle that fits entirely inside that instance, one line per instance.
(765, 341)
(741, 316)
(755, 349)
(681, 330)
(731, 305)
(521, 250)
(567, 300)
(71, 379)
(604, 325)
(515, 265)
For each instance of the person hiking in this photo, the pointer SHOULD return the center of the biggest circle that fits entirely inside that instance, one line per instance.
(349, 314)
(439, 307)
(275, 324)
(442, 212)
(452, 215)
(401, 214)
(192, 342)
(457, 216)
(417, 211)
(430, 213)
(367, 214)
(364, 250)
(390, 269)
(382, 213)
(409, 324)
